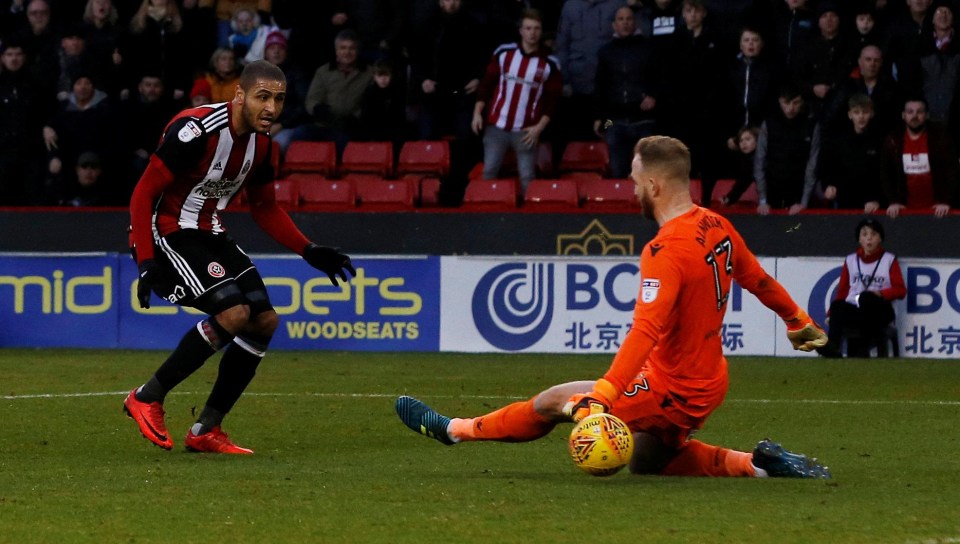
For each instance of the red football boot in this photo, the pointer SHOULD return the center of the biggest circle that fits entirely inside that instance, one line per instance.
(149, 417)
(215, 441)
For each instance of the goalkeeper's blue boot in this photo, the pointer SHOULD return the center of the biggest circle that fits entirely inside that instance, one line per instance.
(423, 419)
(780, 463)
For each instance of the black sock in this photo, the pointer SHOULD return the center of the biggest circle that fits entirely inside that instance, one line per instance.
(237, 369)
(193, 350)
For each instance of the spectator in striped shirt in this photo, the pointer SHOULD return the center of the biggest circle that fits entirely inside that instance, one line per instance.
(516, 100)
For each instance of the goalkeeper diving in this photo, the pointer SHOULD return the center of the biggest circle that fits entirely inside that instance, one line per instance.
(670, 373)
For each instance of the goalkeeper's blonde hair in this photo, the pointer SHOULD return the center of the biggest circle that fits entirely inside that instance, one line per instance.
(668, 156)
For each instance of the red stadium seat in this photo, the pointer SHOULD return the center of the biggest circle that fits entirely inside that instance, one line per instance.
(368, 158)
(696, 190)
(491, 194)
(425, 157)
(553, 194)
(429, 192)
(303, 177)
(327, 195)
(311, 157)
(286, 193)
(749, 199)
(609, 195)
(385, 194)
(585, 157)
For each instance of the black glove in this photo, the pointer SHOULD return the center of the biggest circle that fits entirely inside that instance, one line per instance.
(148, 275)
(330, 261)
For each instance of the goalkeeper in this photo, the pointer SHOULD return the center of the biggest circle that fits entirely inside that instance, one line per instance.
(670, 373)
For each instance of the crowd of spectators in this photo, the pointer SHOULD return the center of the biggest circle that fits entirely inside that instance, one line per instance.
(822, 104)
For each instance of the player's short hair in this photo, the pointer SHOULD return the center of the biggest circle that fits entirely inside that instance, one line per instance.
(696, 4)
(860, 101)
(669, 156)
(260, 69)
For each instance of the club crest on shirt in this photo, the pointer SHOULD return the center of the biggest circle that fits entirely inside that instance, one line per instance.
(216, 270)
(649, 290)
(189, 132)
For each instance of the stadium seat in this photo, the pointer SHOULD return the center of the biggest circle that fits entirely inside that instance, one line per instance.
(609, 195)
(491, 195)
(312, 157)
(303, 178)
(749, 199)
(696, 190)
(368, 158)
(425, 157)
(286, 193)
(585, 157)
(429, 192)
(327, 195)
(553, 194)
(385, 194)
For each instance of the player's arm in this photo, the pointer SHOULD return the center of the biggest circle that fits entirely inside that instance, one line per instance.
(802, 331)
(278, 225)
(659, 290)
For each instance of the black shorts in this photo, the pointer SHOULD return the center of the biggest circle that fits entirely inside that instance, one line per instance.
(208, 272)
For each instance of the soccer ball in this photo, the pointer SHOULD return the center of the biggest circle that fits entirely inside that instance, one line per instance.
(601, 444)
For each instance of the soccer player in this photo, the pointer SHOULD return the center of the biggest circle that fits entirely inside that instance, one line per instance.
(670, 372)
(206, 156)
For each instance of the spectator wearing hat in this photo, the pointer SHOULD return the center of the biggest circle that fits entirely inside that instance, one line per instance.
(294, 111)
(200, 93)
(826, 59)
(85, 121)
(870, 281)
(919, 169)
(87, 187)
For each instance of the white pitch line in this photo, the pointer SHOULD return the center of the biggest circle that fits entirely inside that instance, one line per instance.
(847, 402)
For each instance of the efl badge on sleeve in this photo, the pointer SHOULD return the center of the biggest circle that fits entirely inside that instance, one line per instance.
(189, 132)
(648, 293)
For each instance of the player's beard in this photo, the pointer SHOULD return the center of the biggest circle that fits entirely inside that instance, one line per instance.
(646, 204)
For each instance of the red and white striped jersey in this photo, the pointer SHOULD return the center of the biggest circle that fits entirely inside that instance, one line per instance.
(520, 88)
(210, 163)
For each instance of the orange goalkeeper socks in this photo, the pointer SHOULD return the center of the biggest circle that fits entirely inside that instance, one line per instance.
(696, 458)
(517, 422)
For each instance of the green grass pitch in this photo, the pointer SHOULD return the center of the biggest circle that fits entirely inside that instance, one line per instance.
(334, 464)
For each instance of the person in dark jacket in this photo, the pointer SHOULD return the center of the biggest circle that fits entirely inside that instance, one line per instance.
(850, 159)
(919, 169)
(785, 163)
(20, 121)
(627, 85)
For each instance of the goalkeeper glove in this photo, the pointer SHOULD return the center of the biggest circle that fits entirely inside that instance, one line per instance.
(597, 401)
(148, 275)
(330, 261)
(804, 334)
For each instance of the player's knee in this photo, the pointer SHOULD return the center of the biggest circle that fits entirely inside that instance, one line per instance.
(265, 323)
(650, 454)
(234, 318)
